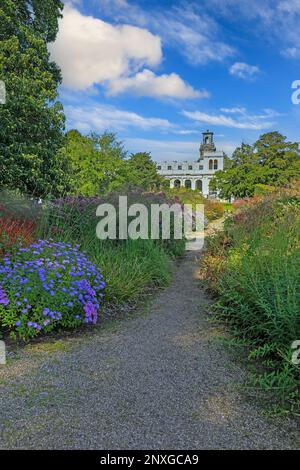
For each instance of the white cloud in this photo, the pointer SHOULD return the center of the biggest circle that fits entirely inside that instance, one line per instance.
(90, 51)
(289, 6)
(244, 71)
(292, 52)
(190, 28)
(184, 26)
(146, 83)
(266, 114)
(194, 34)
(233, 110)
(246, 121)
(98, 118)
(277, 21)
(185, 132)
(121, 10)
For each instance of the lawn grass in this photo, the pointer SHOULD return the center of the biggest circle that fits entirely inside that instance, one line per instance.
(227, 206)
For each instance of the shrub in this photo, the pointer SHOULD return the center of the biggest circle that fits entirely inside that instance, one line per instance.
(256, 275)
(18, 221)
(213, 209)
(264, 189)
(15, 233)
(46, 286)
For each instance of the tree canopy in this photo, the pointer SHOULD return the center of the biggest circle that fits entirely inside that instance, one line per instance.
(272, 160)
(32, 120)
(100, 164)
(143, 173)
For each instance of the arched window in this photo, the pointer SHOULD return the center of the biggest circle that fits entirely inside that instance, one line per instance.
(215, 164)
(199, 185)
(188, 184)
(211, 163)
(177, 184)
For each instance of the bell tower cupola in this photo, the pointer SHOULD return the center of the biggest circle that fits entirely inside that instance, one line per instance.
(207, 144)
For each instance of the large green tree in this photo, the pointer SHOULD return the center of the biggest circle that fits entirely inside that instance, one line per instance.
(32, 120)
(272, 160)
(100, 164)
(97, 162)
(143, 172)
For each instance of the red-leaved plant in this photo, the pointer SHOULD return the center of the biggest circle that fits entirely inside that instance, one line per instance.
(15, 233)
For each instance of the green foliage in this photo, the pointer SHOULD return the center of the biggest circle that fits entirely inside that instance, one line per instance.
(130, 267)
(264, 189)
(142, 172)
(227, 162)
(212, 209)
(258, 289)
(48, 286)
(97, 162)
(270, 161)
(100, 165)
(32, 120)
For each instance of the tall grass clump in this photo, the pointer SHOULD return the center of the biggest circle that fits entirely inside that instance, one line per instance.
(254, 269)
(130, 267)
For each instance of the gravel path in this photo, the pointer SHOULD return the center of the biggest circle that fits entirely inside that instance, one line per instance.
(158, 379)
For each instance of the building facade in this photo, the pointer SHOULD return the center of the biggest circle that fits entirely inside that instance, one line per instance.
(196, 174)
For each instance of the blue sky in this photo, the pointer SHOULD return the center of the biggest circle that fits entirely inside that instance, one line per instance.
(158, 73)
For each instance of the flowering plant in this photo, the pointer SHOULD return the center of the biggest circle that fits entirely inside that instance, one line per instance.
(48, 285)
(15, 233)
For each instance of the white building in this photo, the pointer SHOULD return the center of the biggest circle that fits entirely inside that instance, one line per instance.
(197, 174)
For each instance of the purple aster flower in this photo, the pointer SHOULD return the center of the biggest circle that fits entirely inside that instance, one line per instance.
(91, 313)
(4, 300)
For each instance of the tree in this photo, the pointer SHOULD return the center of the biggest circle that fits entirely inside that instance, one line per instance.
(99, 165)
(32, 120)
(97, 161)
(243, 155)
(280, 159)
(227, 162)
(143, 172)
(270, 161)
(111, 161)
